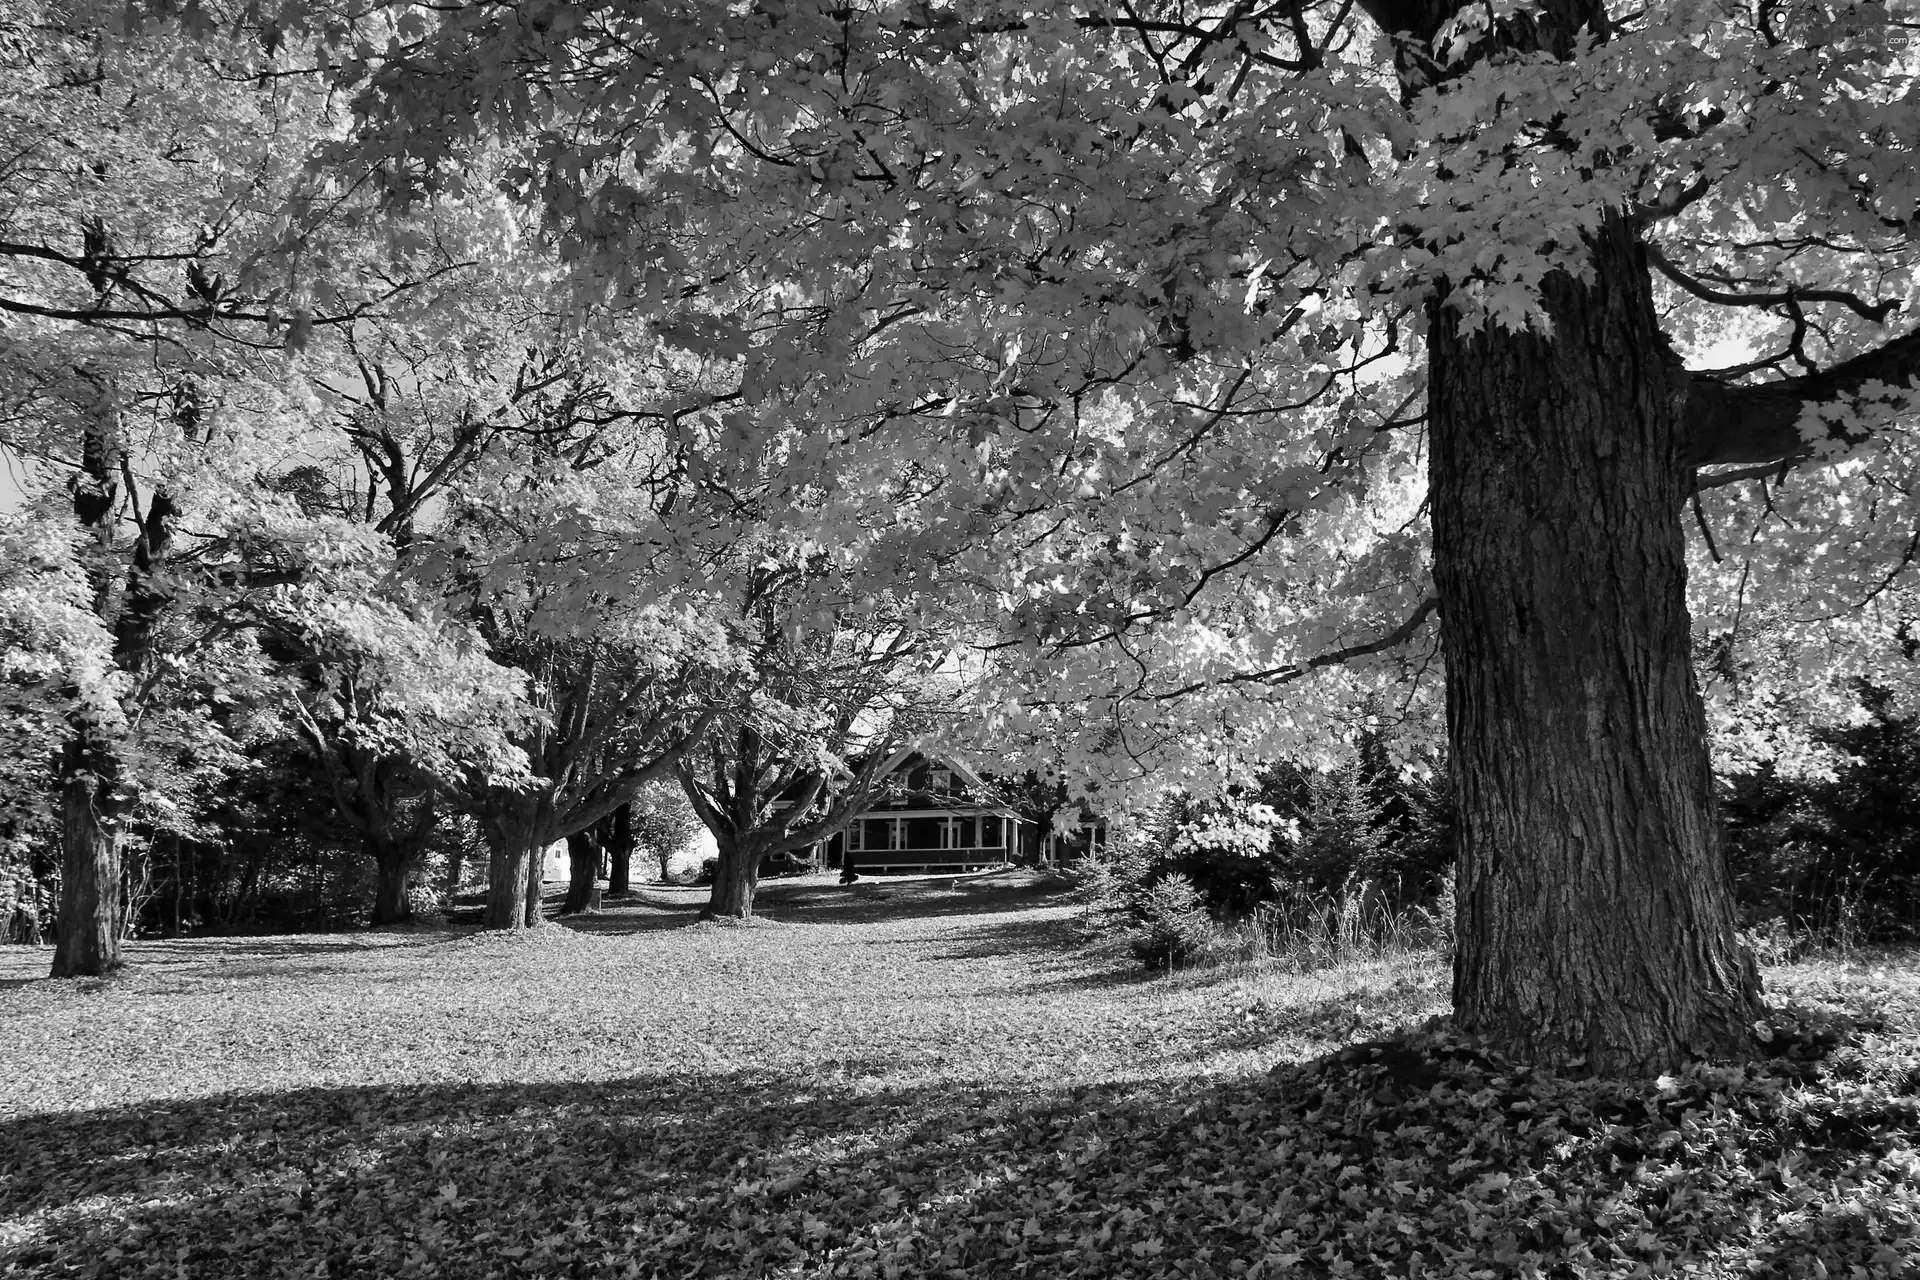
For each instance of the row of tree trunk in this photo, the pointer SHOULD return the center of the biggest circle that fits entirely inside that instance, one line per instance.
(91, 889)
(607, 847)
(1596, 920)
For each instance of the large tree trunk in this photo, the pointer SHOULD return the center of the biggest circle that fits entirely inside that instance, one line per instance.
(583, 867)
(1596, 915)
(507, 858)
(517, 839)
(620, 845)
(735, 877)
(394, 864)
(89, 923)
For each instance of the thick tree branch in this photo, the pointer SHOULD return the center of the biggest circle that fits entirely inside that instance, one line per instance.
(1759, 471)
(1760, 422)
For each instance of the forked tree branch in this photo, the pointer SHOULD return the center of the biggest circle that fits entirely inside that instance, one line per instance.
(1877, 312)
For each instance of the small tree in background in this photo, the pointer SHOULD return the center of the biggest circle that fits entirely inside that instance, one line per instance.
(1174, 926)
(658, 820)
(664, 825)
(1343, 838)
(838, 689)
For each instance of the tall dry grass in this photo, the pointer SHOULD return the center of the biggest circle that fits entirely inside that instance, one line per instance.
(1355, 925)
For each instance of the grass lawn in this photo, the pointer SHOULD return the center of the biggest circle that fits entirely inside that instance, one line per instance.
(901, 1079)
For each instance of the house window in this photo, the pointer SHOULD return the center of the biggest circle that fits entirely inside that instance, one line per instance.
(940, 781)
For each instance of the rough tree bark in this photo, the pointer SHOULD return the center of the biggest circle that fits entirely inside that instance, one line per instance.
(583, 867)
(536, 883)
(92, 806)
(736, 877)
(1596, 912)
(1596, 917)
(517, 838)
(394, 864)
(620, 846)
(88, 939)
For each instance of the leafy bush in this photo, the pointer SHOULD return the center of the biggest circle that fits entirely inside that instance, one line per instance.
(1174, 926)
(1367, 820)
(427, 901)
(1836, 859)
(1299, 838)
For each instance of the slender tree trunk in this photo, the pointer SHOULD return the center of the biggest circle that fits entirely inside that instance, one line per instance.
(583, 867)
(1596, 916)
(179, 883)
(619, 871)
(736, 875)
(250, 881)
(456, 868)
(89, 924)
(536, 884)
(620, 845)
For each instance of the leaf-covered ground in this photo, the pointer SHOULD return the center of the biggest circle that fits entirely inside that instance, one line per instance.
(899, 1080)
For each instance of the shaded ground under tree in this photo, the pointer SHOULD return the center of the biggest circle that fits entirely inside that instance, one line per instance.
(919, 1083)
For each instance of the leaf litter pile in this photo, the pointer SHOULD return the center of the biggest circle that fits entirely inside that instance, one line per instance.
(904, 1081)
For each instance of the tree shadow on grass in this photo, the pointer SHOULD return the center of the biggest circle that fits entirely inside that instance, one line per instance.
(633, 915)
(1025, 934)
(874, 899)
(536, 1179)
(1347, 1165)
(274, 946)
(809, 901)
(1334, 1019)
(240, 958)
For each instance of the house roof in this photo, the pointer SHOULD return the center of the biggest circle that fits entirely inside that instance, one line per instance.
(901, 759)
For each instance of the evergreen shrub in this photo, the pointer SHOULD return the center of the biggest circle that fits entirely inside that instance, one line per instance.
(1173, 927)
